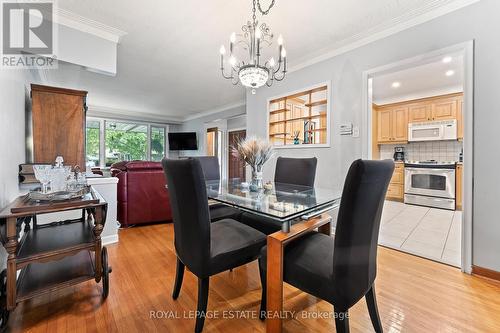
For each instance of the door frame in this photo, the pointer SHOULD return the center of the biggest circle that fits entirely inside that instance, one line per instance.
(467, 50)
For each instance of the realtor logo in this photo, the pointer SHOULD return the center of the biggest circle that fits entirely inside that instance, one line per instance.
(28, 34)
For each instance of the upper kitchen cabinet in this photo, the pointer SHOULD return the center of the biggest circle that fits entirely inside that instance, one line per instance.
(419, 113)
(435, 108)
(58, 125)
(444, 109)
(392, 124)
(391, 120)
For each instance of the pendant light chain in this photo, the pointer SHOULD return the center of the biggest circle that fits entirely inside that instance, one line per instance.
(264, 12)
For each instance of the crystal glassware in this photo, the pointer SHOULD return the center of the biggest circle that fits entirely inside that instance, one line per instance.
(43, 174)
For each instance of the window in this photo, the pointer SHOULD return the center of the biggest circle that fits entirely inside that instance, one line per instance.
(300, 119)
(125, 142)
(110, 141)
(157, 143)
(93, 143)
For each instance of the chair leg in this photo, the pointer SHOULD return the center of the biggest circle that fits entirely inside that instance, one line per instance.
(342, 321)
(371, 301)
(179, 275)
(202, 304)
(263, 298)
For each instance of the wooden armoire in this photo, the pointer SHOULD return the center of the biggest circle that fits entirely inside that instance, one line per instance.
(58, 117)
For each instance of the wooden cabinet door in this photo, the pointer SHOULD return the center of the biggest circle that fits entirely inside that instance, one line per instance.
(384, 128)
(419, 113)
(58, 125)
(444, 110)
(458, 189)
(460, 119)
(400, 124)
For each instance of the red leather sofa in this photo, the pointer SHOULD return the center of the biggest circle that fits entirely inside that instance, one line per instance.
(142, 196)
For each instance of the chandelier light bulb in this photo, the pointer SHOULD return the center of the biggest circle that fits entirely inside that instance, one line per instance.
(258, 34)
(280, 40)
(232, 61)
(222, 50)
(283, 53)
(232, 38)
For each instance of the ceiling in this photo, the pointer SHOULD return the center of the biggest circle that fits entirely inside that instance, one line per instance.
(425, 80)
(168, 63)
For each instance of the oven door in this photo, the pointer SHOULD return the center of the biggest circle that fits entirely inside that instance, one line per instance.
(431, 182)
(425, 132)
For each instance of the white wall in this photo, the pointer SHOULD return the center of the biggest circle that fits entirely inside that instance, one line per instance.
(477, 22)
(12, 133)
(198, 125)
(13, 93)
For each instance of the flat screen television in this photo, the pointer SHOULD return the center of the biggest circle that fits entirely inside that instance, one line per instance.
(182, 141)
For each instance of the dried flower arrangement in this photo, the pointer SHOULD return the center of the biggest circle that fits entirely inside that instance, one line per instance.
(253, 151)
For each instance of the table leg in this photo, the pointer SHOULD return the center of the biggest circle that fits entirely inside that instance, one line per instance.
(99, 219)
(326, 228)
(275, 258)
(274, 285)
(11, 247)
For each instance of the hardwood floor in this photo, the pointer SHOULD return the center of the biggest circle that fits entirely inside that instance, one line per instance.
(414, 295)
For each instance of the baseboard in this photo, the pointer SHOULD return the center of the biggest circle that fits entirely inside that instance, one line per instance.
(485, 272)
(106, 240)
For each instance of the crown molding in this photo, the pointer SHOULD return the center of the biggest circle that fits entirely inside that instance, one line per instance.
(408, 20)
(216, 110)
(100, 111)
(87, 25)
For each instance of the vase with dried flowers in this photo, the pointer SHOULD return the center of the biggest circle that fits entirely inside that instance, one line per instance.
(255, 152)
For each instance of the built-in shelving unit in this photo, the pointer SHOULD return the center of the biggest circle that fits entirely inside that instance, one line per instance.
(303, 115)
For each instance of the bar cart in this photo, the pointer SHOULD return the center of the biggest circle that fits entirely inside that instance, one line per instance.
(51, 256)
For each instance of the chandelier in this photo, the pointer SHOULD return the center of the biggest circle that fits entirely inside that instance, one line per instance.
(251, 72)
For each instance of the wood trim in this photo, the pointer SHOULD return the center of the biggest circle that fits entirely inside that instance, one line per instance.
(58, 90)
(419, 100)
(485, 272)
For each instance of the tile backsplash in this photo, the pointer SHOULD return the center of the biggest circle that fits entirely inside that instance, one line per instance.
(442, 151)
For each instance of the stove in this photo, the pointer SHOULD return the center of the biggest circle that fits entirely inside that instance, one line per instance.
(431, 164)
(430, 183)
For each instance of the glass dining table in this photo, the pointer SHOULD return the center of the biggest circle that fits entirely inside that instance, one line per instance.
(299, 209)
(284, 203)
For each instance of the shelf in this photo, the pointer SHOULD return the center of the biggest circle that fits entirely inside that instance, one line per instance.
(317, 130)
(55, 240)
(278, 111)
(297, 118)
(40, 278)
(322, 102)
(277, 134)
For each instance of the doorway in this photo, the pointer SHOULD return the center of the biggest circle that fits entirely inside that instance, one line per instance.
(417, 224)
(236, 167)
(215, 145)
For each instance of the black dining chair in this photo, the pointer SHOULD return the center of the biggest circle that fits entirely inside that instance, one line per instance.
(294, 171)
(204, 248)
(211, 171)
(341, 271)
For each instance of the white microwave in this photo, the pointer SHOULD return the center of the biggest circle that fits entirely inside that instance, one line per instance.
(433, 131)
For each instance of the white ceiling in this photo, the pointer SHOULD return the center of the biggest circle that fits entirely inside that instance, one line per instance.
(168, 63)
(425, 80)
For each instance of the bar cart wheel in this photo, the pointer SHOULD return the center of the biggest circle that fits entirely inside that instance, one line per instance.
(4, 313)
(106, 269)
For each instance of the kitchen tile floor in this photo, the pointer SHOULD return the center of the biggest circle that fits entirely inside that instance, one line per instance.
(427, 232)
